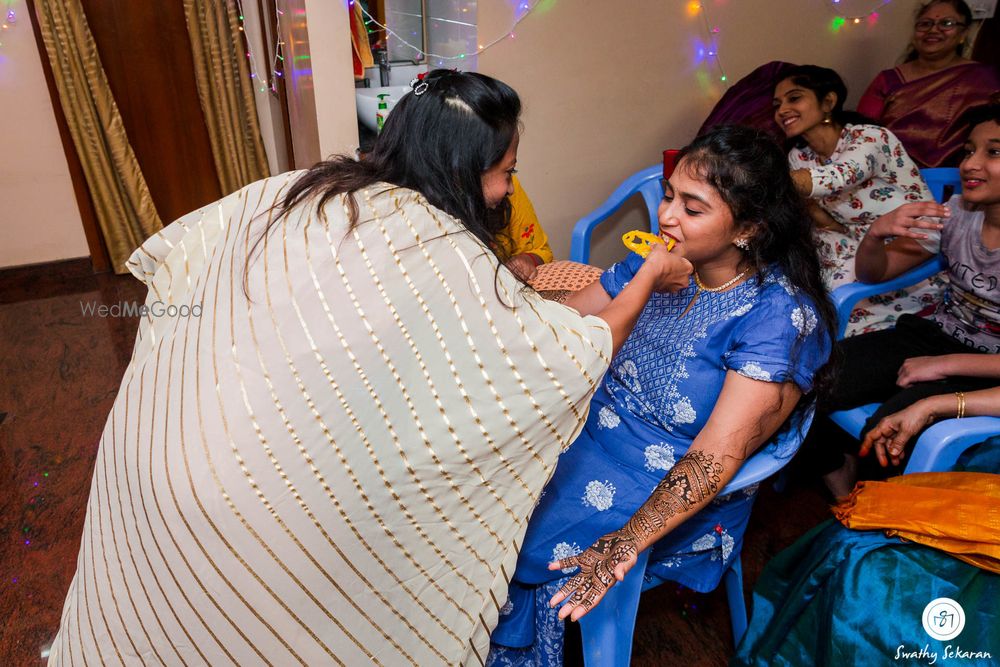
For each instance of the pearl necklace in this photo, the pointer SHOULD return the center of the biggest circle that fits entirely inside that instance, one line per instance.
(724, 286)
(700, 287)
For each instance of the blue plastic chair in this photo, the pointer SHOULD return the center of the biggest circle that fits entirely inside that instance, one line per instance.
(939, 447)
(940, 178)
(645, 182)
(608, 628)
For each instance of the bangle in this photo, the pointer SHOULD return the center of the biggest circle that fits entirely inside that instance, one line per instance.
(960, 395)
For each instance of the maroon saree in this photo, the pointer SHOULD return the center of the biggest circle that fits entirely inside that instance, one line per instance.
(924, 112)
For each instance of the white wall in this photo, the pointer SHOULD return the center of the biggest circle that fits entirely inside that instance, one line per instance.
(606, 87)
(332, 77)
(39, 218)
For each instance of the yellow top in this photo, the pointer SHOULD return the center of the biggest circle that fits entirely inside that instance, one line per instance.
(525, 232)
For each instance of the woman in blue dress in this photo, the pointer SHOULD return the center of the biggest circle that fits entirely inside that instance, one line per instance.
(708, 375)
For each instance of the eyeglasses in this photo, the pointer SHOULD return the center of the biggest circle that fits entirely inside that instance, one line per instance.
(943, 24)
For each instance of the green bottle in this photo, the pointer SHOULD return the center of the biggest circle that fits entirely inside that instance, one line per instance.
(383, 111)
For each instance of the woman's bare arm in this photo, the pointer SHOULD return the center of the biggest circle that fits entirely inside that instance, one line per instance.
(660, 272)
(877, 260)
(746, 415)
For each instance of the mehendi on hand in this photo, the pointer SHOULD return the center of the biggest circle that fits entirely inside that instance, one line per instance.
(693, 480)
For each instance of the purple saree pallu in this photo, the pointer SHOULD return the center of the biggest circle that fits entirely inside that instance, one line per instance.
(925, 113)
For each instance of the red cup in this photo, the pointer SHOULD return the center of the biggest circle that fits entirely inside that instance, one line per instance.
(669, 161)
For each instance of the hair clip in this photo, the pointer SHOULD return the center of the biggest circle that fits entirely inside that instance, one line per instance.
(418, 84)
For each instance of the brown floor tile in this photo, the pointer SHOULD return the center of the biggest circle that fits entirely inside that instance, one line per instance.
(60, 371)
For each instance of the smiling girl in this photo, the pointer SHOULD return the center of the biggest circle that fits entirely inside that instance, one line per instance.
(953, 352)
(852, 173)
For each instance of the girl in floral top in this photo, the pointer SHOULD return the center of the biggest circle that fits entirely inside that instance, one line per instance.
(852, 174)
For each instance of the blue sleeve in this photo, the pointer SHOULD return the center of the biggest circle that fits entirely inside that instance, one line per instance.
(614, 279)
(780, 340)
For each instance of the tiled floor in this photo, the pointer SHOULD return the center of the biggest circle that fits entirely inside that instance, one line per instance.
(59, 373)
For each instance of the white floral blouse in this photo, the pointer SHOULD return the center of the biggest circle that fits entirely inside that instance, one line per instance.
(868, 175)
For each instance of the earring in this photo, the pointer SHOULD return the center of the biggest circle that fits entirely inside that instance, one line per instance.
(827, 119)
(742, 244)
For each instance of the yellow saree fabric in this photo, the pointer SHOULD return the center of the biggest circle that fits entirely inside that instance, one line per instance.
(956, 512)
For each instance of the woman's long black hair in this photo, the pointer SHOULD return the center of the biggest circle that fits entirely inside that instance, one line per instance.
(823, 81)
(750, 173)
(438, 143)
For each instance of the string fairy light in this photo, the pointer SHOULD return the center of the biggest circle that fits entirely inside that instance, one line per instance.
(251, 58)
(840, 20)
(712, 40)
(524, 8)
(278, 62)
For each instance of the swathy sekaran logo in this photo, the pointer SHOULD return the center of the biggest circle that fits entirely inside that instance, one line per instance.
(943, 619)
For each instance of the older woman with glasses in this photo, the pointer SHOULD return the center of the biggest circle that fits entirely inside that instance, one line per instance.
(919, 100)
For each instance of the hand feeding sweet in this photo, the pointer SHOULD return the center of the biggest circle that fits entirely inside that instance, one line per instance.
(641, 242)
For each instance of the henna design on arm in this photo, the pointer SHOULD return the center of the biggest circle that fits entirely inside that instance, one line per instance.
(695, 479)
(692, 481)
(597, 570)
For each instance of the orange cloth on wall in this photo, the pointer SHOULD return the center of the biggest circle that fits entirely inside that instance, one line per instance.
(955, 512)
(362, 50)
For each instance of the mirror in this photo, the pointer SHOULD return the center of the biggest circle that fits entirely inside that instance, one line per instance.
(421, 33)
(446, 27)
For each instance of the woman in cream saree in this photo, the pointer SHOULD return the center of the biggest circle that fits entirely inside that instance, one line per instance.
(334, 462)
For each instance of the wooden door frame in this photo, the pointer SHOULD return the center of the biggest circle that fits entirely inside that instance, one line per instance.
(266, 13)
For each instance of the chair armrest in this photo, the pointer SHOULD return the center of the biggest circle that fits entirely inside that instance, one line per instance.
(846, 297)
(939, 447)
(642, 181)
(607, 629)
(939, 178)
(853, 420)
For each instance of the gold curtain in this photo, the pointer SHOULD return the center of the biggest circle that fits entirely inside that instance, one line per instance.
(123, 205)
(225, 92)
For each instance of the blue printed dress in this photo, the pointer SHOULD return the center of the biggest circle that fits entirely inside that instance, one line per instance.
(654, 400)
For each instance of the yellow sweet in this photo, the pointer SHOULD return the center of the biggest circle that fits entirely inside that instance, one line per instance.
(640, 242)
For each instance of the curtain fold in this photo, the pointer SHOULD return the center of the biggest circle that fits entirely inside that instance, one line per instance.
(122, 202)
(225, 92)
